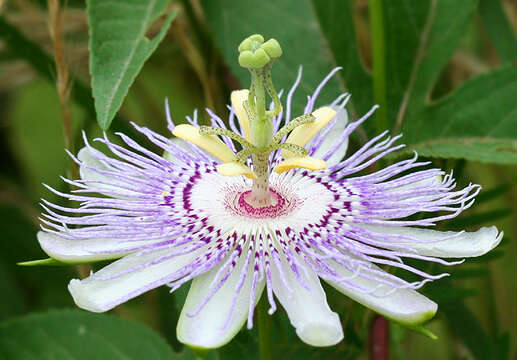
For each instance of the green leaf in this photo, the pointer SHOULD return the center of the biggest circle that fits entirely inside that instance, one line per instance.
(477, 122)
(244, 345)
(492, 193)
(79, 335)
(119, 47)
(485, 217)
(169, 306)
(499, 29)
(337, 24)
(15, 301)
(420, 38)
(468, 328)
(40, 288)
(32, 137)
(294, 24)
(490, 256)
(501, 347)
(287, 345)
(469, 272)
(446, 293)
(31, 52)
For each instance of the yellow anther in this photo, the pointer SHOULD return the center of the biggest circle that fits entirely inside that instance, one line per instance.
(234, 168)
(210, 143)
(305, 162)
(303, 133)
(238, 99)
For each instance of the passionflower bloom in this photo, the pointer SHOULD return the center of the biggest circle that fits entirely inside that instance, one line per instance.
(208, 213)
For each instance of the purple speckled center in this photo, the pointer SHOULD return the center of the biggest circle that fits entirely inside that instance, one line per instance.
(277, 208)
(237, 202)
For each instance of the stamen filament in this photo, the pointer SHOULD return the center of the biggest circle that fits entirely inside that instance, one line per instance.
(300, 120)
(210, 130)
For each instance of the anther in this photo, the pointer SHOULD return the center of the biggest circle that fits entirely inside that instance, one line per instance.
(235, 168)
(304, 132)
(210, 143)
(306, 162)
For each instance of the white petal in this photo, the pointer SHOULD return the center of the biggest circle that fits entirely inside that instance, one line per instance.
(81, 251)
(403, 305)
(85, 155)
(98, 295)
(86, 171)
(331, 139)
(207, 328)
(307, 310)
(445, 244)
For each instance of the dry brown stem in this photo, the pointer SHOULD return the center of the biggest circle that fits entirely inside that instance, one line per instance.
(62, 69)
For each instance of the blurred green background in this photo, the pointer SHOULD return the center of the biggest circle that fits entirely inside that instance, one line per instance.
(443, 71)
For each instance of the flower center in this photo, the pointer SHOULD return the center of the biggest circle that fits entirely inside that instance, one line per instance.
(241, 203)
(276, 208)
(226, 202)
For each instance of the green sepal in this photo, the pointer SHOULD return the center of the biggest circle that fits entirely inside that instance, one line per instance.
(418, 326)
(199, 352)
(422, 330)
(43, 262)
(54, 262)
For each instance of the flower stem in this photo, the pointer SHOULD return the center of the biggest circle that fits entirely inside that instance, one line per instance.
(379, 338)
(264, 328)
(378, 62)
(200, 354)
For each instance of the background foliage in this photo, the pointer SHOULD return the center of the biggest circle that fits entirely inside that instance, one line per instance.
(443, 71)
